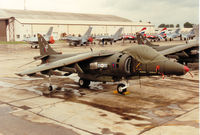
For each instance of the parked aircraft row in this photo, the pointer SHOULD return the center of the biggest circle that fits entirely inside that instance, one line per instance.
(87, 38)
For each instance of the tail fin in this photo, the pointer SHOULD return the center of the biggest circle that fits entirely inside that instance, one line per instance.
(88, 32)
(177, 31)
(192, 31)
(45, 48)
(49, 32)
(117, 34)
(143, 30)
(163, 31)
(142, 40)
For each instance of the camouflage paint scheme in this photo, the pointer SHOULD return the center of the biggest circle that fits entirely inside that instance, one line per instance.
(105, 66)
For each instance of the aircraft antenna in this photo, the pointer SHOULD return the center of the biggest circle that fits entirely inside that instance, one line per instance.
(91, 49)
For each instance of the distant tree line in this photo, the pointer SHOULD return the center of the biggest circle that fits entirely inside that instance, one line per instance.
(186, 25)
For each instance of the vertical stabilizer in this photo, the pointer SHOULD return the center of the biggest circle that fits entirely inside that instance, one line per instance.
(117, 34)
(49, 33)
(177, 31)
(142, 40)
(88, 32)
(45, 48)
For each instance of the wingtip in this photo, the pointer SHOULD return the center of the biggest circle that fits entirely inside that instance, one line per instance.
(19, 74)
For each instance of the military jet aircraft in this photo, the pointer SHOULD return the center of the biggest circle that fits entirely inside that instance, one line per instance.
(184, 53)
(111, 39)
(79, 40)
(189, 35)
(173, 35)
(133, 37)
(105, 66)
(159, 36)
(34, 40)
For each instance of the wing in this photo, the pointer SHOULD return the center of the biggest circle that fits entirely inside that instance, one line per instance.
(104, 37)
(73, 39)
(31, 39)
(177, 49)
(65, 62)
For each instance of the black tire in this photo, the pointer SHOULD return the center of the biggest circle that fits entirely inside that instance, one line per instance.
(50, 88)
(35, 47)
(119, 88)
(84, 83)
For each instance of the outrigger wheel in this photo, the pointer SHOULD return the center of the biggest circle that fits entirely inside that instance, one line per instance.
(120, 89)
(84, 83)
(50, 88)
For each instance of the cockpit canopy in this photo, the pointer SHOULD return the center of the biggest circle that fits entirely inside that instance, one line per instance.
(145, 54)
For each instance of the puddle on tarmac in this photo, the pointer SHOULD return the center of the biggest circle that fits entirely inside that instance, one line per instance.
(106, 131)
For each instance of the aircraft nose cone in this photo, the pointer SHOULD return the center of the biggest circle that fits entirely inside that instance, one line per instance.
(173, 68)
(186, 69)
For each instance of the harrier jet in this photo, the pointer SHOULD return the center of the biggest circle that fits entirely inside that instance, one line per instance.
(105, 66)
(34, 40)
(111, 39)
(79, 40)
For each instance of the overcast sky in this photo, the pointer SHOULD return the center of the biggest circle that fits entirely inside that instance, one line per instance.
(155, 11)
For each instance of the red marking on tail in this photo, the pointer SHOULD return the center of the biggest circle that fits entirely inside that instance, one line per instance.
(51, 40)
(164, 29)
(90, 39)
(143, 28)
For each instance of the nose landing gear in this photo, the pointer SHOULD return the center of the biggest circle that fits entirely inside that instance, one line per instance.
(122, 88)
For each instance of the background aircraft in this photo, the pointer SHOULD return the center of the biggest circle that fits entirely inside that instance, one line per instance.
(133, 37)
(105, 66)
(79, 40)
(159, 36)
(111, 39)
(189, 35)
(173, 35)
(34, 40)
(185, 53)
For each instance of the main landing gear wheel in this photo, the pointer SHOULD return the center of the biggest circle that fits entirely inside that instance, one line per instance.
(120, 89)
(50, 88)
(84, 83)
